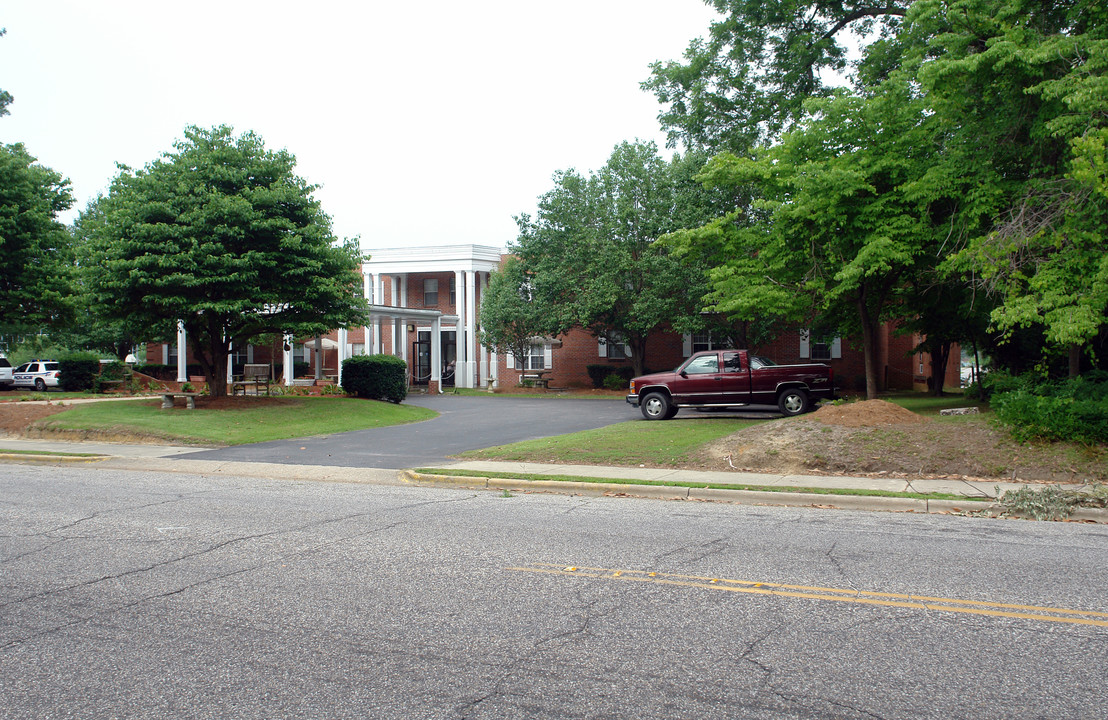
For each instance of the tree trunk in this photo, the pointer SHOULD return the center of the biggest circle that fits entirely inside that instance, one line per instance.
(869, 348)
(638, 355)
(1075, 360)
(940, 356)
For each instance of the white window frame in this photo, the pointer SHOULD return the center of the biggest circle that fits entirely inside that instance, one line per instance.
(835, 347)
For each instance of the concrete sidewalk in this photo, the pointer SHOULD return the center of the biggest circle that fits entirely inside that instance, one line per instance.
(817, 489)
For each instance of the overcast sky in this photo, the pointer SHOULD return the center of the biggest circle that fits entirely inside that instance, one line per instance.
(423, 123)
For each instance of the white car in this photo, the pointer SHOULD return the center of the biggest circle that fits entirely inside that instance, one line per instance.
(39, 374)
(6, 381)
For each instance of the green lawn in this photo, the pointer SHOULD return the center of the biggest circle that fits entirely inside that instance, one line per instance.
(629, 443)
(291, 417)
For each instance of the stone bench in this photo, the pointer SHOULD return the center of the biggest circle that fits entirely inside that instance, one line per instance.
(168, 396)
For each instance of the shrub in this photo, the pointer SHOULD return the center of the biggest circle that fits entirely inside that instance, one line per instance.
(1075, 409)
(615, 382)
(377, 377)
(78, 371)
(599, 374)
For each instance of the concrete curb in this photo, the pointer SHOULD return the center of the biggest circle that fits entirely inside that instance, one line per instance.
(372, 476)
(47, 459)
(741, 497)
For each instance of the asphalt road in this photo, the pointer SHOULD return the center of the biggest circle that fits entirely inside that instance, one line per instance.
(135, 595)
(464, 423)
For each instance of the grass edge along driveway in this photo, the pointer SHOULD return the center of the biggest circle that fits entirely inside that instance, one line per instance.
(293, 417)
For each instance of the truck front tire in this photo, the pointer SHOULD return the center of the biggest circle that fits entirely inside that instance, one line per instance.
(792, 402)
(656, 406)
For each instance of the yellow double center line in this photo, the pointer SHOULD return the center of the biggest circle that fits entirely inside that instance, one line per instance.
(862, 597)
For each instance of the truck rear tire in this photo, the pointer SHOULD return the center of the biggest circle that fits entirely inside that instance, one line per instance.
(656, 406)
(792, 402)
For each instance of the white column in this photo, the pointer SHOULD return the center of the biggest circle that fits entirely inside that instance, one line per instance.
(342, 352)
(286, 352)
(402, 325)
(379, 292)
(471, 328)
(460, 375)
(436, 352)
(367, 338)
(230, 367)
(483, 352)
(182, 344)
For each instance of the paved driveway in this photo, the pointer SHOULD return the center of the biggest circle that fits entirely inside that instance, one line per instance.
(464, 423)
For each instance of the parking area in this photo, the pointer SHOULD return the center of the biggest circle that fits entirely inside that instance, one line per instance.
(464, 423)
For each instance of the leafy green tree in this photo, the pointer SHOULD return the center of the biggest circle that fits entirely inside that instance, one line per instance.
(747, 82)
(835, 233)
(224, 237)
(510, 320)
(36, 248)
(590, 254)
(1027, 84)
(5, 96)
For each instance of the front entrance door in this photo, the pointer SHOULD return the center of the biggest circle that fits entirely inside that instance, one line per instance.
(421, 351)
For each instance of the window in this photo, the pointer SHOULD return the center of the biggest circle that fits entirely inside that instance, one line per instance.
(703, 365)
(614, 350)
(536, 358)
(703, 341)
(732, 362)
(430, 292)
(828, 347)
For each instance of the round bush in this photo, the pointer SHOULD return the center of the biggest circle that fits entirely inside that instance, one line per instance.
(376, 377)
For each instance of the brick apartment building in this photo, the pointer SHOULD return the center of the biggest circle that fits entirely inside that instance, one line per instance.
(424, 305)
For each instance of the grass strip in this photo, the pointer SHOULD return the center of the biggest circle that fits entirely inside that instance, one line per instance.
(49, 452)
(702, 485)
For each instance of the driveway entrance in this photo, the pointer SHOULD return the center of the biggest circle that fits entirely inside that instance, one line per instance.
(464, 423)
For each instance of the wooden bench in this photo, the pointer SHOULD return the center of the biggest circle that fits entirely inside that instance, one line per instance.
(256, 375)
(168, 395)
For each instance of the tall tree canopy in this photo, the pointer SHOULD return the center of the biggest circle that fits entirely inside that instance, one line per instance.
(223, 236)
(590, 255)
(5, 96)
(748, 80)
(35, 247)
(970, 149)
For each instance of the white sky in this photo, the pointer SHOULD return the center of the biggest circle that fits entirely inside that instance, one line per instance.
(425, 123)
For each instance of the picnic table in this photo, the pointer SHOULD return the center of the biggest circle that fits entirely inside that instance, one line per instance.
(536, 377)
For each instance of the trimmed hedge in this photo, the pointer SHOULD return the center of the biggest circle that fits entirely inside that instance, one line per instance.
(159, 371)
(78, 371)
(376, 377)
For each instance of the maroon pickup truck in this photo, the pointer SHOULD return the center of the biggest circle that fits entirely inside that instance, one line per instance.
(726, 378)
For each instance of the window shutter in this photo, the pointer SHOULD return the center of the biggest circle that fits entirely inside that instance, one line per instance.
(603, 346)
(511, 357)
(547, 356)
(804, 351)
(837, 348)
(686, 345)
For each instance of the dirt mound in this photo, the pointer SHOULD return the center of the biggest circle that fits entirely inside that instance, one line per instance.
(868, 413)
(16, 416)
